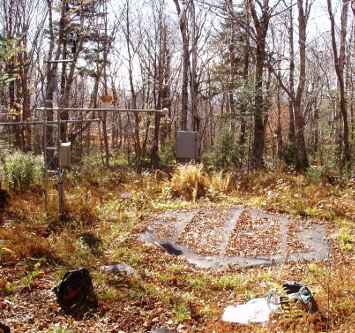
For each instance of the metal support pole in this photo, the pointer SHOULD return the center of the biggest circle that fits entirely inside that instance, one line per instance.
(193, 65)
(45, 162)
(53, 85)
(45, 124)
(59, 142)
(164, 111)
(60, 172)
(49, 122)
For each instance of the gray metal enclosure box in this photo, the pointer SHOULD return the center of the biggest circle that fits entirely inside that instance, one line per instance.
(65, 155)
(187, 144)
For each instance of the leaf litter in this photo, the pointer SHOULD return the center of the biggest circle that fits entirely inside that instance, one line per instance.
(205, 232)
(254, 236)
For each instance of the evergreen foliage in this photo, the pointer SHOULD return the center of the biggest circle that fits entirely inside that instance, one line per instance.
(288, 154)
(167, 153)
(22, 171)
(8, 48)
(225, 153)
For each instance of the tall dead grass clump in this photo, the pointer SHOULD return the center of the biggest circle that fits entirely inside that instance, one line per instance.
(189, 181)
(192, 182)
(221, 182)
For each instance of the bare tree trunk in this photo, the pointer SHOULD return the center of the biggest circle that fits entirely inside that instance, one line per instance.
(165, 94)
(231, 49)
(185, 64)
(316, 130)
(296, 98)
(10, 27)
(279, 126)
(261, 24)
(116, 126)
(302, 159)
(162, 89)
(339, 60)
(138, 147)
(60, 50)
(291, 131)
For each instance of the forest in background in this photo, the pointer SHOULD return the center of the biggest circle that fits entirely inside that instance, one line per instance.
(265, 83)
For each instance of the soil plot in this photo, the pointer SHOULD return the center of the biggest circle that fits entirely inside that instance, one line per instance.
(237, 237)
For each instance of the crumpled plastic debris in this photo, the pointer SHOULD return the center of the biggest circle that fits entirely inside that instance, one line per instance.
(254, 311)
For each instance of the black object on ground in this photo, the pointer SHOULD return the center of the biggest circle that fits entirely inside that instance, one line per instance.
(4, 328)
(74, 288)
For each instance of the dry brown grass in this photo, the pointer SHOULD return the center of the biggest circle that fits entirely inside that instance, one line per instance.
(101, 227)
(191, 182)
(24, 230)
(21, 243)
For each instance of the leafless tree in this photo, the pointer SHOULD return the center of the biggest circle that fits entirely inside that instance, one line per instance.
(339, 63)
(23, 20)
(296, 95)
(260, 13)
(186, 61)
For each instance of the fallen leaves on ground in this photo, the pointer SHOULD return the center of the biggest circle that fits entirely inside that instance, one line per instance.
(205, 232)
(254, 236)
(294, 245)
(166, 229)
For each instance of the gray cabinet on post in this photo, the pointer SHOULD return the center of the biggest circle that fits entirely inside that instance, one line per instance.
(187, 144)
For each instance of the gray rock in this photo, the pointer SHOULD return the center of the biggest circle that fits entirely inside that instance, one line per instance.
(163, 330)
(121, 269)
(126, 195)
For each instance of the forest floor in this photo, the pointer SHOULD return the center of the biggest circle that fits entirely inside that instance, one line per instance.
(105, 223)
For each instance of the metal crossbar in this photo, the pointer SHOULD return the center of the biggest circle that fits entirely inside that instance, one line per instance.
(58, 122)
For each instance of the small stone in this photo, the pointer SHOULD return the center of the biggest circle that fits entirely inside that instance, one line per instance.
(163, 330)
(121, 269)
(126, 195)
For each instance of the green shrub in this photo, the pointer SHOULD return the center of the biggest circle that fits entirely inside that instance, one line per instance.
(225, 153)
(288, 154)
(91, 168)
(22, 171)
(167, 153)
(4, 150)
(316, 173)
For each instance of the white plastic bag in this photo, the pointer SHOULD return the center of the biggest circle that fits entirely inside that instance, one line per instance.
(255, 311)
